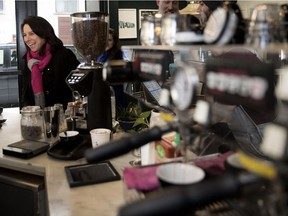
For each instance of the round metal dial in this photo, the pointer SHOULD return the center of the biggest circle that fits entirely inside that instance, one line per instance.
(183, 86)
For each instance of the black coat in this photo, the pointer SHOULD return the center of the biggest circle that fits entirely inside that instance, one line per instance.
(56, 90)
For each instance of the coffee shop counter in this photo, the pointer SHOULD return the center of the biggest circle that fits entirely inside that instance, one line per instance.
(98, 199)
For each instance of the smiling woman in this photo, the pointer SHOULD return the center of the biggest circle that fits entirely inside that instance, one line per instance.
(47, 64)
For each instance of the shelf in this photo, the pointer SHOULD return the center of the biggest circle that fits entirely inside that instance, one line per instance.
(205, 47)
(201, 53)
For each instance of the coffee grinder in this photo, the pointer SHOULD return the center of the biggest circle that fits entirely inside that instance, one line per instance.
(89, 35)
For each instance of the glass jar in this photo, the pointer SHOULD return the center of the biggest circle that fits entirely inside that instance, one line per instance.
(32, 123)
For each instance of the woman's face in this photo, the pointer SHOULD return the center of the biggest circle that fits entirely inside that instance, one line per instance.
(204, 13)
(33, 41)
(110, 42)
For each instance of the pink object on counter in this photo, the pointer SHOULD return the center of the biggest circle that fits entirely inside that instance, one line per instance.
(145, 178)
(141, 178)
(214, 166)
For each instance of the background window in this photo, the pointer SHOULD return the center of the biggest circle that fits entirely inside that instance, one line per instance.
(66, 6)
(1, 6)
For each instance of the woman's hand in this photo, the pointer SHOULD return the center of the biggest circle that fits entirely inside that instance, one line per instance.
(32, 62)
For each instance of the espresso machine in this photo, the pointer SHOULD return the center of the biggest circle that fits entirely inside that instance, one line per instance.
(89, 34)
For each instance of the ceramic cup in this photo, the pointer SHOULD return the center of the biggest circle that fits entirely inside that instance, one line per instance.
(68, 136)
(99, 136)
(178, 174)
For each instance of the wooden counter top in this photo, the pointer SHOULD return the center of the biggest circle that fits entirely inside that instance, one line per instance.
(98, 199)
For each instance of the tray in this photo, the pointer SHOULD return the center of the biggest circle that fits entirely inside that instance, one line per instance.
(86, 174)
(72, 150)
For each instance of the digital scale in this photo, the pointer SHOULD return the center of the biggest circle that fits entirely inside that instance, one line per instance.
(25, 149)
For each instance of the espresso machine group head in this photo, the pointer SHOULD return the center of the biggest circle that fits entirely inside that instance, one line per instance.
(89, 35)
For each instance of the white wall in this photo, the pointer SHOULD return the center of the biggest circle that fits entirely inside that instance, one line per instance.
(46, 9)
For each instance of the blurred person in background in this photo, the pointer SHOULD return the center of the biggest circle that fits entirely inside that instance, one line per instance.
(113, 52)
(166, 7)
(47, 64)
(206, 8)
(113, 49)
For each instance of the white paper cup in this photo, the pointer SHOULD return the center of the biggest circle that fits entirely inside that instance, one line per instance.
(99, 136)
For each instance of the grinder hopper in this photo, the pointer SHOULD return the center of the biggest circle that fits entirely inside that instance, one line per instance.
(89, 35)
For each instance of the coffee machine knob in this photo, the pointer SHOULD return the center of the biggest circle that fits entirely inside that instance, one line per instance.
(118, 72)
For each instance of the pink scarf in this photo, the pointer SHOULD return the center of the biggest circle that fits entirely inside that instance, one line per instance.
(36, 76)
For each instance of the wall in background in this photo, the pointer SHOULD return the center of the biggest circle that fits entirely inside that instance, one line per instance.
(138, 5)
(245, 5)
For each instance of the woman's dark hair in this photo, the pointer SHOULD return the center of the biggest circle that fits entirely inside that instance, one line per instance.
(115, 51)
(43, 29)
